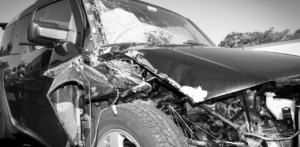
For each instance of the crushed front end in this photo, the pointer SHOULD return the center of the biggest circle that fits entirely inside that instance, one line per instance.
(113, 71)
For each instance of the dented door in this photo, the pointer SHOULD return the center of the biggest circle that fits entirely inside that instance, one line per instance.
(39, 115)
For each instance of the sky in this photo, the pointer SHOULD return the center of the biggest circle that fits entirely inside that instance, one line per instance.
(216, 18)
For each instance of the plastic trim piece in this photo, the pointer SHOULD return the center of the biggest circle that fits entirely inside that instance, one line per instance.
(3, 25)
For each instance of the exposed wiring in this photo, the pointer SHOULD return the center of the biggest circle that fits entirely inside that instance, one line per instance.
(271, 139)
(99, 119)
(96, 132)
(90, 101)
(181, 122)
(202, 129)
(114, 107)
(116, 99)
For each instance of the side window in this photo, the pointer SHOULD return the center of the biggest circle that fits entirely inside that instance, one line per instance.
(59, 13)
(6, 43)
(21, 35)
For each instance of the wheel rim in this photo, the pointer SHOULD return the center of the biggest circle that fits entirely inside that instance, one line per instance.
(115, 138)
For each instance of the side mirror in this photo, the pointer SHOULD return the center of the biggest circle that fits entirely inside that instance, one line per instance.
(64, 52)
(45, 33)
(3, 25)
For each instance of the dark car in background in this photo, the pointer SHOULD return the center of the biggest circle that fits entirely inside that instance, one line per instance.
(125, 73)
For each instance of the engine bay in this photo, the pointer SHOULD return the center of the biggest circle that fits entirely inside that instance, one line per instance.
(265, 115)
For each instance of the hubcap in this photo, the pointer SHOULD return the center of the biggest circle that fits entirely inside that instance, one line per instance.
(117, 138)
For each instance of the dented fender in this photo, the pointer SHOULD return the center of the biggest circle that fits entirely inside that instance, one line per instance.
(95, 84)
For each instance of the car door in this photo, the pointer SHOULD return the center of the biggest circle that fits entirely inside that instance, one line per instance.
(39, 115)
(13, 59)
(7, 72)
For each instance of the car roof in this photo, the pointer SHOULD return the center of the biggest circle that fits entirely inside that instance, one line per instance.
(16, 17)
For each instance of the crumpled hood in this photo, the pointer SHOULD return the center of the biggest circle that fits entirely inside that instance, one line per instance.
(221, 71)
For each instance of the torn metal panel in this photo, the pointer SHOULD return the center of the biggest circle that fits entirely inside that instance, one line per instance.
(219, 71)
(107, 78)
(126, 21)
(64, 100)
(102, 77)
(94, 22)
(195, 94)
(85, 76)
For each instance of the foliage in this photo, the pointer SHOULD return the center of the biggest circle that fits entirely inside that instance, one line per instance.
(296, 35)
(239, 40)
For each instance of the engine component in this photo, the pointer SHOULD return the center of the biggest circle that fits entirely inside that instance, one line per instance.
(275, 130)
(287, 117)
(235, 111)
(233, 135)
(207, 109)
(216, 128)
(250, 107)
(272, 139)
(211, 143)
(221, 108)
(208, 143)
(276, 105)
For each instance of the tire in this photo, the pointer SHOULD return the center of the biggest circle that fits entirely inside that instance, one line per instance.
(143, 125)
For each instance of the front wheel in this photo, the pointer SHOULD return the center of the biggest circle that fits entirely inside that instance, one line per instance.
(137, 125)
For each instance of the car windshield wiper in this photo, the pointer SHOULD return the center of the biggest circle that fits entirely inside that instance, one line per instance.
(189, 42)
(127, 44)
(194, 43)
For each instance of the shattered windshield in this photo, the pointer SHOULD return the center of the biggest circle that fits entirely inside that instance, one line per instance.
(123, 21)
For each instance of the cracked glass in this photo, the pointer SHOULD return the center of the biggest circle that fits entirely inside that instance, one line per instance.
(123, 21)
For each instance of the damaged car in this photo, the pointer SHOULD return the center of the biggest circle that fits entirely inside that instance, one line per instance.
(125, 73)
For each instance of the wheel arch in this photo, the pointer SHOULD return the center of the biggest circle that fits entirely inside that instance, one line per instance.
(66, 91)
(5, 110)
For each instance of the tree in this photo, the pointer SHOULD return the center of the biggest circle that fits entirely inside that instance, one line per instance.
(239, 40)
(296, 34)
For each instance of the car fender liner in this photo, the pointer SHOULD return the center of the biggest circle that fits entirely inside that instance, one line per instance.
(66, 90)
